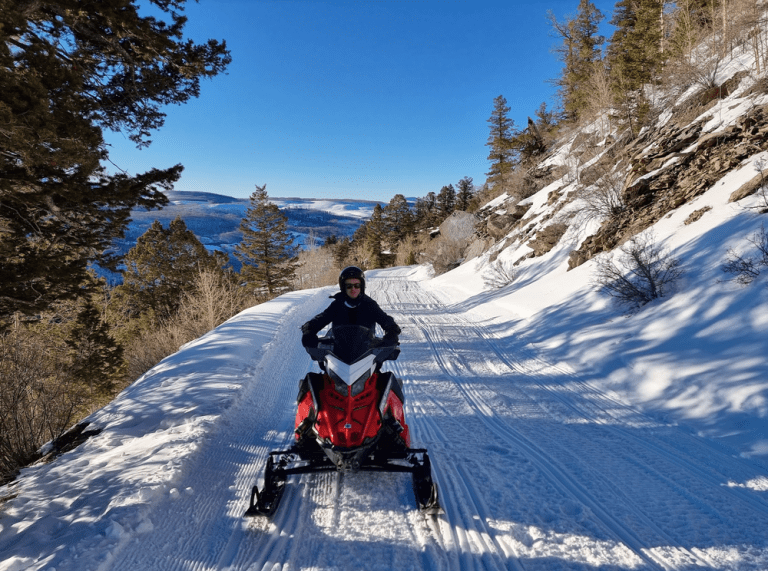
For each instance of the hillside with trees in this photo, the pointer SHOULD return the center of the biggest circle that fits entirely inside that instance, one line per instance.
(639, 130)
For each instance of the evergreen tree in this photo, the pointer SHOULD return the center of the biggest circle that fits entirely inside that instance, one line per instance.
(397, 220)
(464, 194)
(425, 212)
(635, 55)
(502, 157)
(96, 360)
(547, 122)
(68, 70)
(528, 144)
(446, 201)
(341, 252)
(420, 215)
(373, 238)
(163, 265)
(266, 250)
(579, 49)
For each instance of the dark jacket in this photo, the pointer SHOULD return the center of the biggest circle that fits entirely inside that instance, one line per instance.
(367, 313)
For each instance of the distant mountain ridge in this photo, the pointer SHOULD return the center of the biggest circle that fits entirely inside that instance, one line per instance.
(193, 196)
(215, 218)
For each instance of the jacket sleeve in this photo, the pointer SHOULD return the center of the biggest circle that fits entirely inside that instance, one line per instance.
(391, 329)
(310, 328)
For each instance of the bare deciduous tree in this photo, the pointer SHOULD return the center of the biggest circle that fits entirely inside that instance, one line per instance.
(316, 267)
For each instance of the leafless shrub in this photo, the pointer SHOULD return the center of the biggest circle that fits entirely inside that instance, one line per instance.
(409, 248)
(154, 345)
(38, 398)
(762, 192)
(604, 200)
(745, 269)
(444, 254)
(644, 272)
(213, 299)
(498, 276)
(317, 267)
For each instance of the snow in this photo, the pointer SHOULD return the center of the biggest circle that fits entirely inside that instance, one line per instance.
(564, 433)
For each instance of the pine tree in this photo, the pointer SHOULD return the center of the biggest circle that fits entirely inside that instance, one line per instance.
(397, 220)
(500, 142)
(579, 49)
(68, 70)
(446, 201)
(266, 250)
(161, 267)
(341, 252)
(373, 238)
(96, 360)
(635, 56)
(464, 194)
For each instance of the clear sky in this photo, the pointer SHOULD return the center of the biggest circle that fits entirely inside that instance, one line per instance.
(354, 99)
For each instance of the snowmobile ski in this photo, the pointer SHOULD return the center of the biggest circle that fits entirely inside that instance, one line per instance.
(282, 464)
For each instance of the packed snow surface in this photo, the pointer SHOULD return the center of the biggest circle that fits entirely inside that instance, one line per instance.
(539, 466)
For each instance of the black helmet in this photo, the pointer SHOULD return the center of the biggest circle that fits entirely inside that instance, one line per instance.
(352, 272)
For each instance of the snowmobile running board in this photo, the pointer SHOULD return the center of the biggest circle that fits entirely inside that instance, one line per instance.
(264, 502)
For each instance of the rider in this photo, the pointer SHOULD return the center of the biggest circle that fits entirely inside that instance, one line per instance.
(351, 306)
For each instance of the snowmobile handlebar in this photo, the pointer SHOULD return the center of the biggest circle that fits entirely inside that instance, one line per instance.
(384, 351)
(350, 343)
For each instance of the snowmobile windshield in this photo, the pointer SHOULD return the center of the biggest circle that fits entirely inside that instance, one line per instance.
(351, 342)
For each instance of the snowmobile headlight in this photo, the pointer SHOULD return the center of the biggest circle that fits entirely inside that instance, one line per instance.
(359, 384)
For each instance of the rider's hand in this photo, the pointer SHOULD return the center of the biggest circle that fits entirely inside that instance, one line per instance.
(309, 340)
(390, 340)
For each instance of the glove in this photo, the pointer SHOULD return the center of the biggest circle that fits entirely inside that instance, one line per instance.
(390, 340)
(309, 340)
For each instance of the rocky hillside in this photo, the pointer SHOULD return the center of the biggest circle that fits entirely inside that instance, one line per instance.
(619, 187)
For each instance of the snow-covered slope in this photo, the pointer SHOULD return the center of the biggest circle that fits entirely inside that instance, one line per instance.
(564, 434)
(523, 399)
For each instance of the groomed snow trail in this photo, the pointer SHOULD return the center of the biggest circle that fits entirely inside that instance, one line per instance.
(537, 471)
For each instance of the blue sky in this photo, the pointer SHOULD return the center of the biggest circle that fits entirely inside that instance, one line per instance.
(353, 99)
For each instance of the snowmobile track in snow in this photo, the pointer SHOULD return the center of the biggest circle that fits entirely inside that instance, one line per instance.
(537, 470)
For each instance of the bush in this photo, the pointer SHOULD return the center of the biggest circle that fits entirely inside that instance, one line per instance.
(213, 298)
(498, 276)
(604, 200)
(444, 254)
(39, 399)
(644, 272)
(745, 270)
(316, 267)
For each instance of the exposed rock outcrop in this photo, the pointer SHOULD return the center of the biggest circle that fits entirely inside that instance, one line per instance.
(680, 165)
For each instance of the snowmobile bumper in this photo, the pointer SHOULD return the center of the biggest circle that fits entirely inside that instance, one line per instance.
(282, 464)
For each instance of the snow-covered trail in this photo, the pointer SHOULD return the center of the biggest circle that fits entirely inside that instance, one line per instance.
(537, 470)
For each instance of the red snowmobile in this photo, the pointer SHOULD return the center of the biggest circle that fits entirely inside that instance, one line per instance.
(350, 418)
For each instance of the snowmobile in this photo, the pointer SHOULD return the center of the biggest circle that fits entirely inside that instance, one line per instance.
(349, 419)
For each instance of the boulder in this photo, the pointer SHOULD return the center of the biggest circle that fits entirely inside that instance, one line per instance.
(459, 226)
